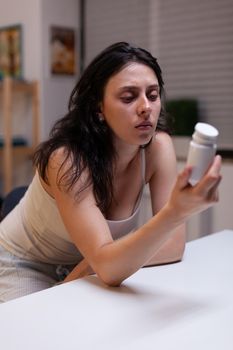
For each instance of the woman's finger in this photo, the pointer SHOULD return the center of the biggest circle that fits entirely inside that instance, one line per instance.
(211, 179)
(183, 178)
(216, 166)
(213, 194)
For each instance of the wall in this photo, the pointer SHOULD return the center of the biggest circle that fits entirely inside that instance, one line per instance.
(182, 34)
(196, 54)
(192, 39)
(219, 216)
(27, 14)
(193, 42)
(212, 220)
(56, 89)
(36, 16)
(111, 21)
(222, 213)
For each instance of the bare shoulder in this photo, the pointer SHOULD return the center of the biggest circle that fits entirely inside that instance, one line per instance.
(59, 158)
(160, 154)
(58, 163)
(60, 172)
(56, 160)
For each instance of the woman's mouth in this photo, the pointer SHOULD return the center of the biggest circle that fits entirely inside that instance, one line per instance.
(144, 126)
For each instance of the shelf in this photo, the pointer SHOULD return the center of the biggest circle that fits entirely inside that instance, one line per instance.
(18, 85)
(11, 145)
(20, 150)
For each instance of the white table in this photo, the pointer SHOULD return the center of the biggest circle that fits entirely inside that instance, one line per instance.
(188, 305)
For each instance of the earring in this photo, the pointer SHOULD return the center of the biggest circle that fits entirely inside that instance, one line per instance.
(101, 117)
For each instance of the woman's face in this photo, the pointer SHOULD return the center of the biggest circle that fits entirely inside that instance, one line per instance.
(131, 104)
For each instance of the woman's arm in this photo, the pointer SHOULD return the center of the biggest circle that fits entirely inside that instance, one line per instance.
(114, 261)
(161, 160)
(161, 184)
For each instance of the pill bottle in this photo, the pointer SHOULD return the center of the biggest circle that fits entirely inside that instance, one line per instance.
(202, 150)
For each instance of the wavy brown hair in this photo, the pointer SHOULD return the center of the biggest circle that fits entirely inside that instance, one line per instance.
(87, 141)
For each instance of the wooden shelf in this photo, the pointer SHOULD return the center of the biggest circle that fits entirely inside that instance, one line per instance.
(20, 150)
(7, 88)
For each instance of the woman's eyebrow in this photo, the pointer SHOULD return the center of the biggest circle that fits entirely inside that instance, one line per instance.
(153, 87)
(128, 87)
(135, 87)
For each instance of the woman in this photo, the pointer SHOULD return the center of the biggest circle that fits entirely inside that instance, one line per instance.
(79, 215)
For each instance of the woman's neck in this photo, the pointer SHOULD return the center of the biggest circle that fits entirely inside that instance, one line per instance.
(125, 156)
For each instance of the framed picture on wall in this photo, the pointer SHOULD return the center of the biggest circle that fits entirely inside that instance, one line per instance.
(11, 51)
(62, 51)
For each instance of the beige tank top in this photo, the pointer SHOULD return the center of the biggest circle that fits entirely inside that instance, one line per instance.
(34, 229)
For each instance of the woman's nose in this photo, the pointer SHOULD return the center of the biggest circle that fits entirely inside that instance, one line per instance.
(144, 108)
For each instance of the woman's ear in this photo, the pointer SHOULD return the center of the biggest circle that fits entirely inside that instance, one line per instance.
(100, 107)
(100, 112)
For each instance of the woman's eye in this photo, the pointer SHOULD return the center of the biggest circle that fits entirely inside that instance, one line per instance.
(153, 97)
(127, 99)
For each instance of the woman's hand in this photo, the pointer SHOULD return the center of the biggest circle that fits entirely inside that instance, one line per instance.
(186, 200)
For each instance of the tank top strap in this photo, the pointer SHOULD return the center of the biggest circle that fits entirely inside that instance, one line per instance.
(143, 176)
(143, 166)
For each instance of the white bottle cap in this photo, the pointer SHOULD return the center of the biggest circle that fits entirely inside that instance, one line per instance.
(205, 133)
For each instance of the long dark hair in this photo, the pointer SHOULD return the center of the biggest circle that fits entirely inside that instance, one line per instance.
(88, 142)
